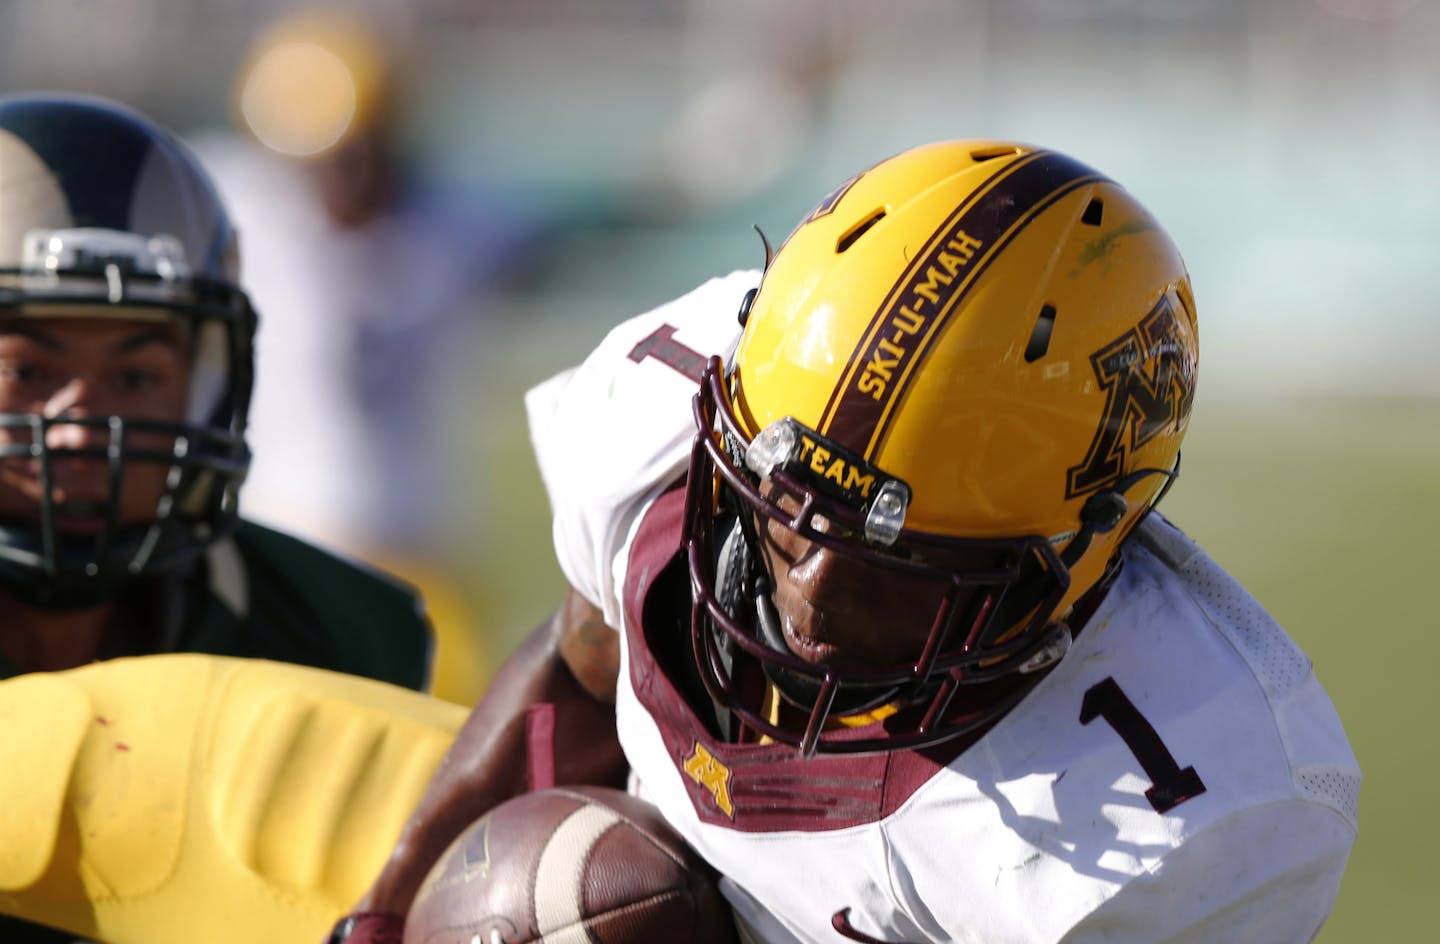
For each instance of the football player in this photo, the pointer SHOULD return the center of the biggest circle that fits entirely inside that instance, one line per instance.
(899, 644)
(125, 376)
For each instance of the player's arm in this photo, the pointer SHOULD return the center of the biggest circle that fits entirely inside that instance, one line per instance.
(570, 661)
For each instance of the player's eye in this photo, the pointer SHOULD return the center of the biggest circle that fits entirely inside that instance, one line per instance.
(17, 372)
(21, 374)
(135, 380)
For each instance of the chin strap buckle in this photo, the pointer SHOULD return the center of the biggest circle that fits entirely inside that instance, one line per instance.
(1051, 651)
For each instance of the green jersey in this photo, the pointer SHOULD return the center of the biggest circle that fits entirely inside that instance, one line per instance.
(264, 595)
(275, 597)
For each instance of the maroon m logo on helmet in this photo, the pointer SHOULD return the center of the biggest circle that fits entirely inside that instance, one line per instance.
(1149, 382)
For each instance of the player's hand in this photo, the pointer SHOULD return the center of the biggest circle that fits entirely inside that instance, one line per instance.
(368, 927)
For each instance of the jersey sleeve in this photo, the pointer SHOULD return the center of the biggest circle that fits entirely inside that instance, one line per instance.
(1269, 870)
(1180, 776)
(610, 434)
(1262, 874)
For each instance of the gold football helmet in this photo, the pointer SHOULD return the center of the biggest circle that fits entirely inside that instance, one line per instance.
(973, 351)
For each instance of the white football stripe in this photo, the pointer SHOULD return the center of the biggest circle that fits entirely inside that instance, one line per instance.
(39, 204)
(561, 867)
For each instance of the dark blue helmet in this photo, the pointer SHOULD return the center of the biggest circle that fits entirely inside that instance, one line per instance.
(104, 213)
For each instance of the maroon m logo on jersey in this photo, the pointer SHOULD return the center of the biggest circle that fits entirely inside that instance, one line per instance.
(1149, 382)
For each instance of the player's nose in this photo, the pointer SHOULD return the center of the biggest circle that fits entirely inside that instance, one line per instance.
(830, 580)
(70, 410)
(77, 394)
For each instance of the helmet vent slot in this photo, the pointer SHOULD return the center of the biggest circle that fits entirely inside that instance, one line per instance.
(858, 230)
(1040, 336)
(990, 153)
(1093, 212)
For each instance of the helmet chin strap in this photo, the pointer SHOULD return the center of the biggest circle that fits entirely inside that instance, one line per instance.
(1108, 507)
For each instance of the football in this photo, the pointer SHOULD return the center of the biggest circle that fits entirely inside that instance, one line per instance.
(588, 865)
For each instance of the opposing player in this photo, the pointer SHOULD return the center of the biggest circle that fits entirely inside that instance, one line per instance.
(903, 650)
(125, 376)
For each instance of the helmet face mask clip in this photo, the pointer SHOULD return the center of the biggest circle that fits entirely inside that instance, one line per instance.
(788, 445)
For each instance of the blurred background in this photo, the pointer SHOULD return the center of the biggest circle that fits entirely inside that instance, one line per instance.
(444, 201)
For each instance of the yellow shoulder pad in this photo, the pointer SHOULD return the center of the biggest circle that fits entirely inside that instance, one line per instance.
(208, 798)
(44, 718)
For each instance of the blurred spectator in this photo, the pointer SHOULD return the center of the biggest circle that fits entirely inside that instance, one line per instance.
(371, 284)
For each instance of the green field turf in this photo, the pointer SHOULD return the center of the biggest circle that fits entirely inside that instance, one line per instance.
(1326, 510)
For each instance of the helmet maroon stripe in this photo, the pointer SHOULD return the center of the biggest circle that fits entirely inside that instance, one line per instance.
(925, 298)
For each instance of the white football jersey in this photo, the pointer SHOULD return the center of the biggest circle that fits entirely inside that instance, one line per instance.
(1179, 776)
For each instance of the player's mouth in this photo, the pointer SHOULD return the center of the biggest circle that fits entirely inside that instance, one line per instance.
(808, 647)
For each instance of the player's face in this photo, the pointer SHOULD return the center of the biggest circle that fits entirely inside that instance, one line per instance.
(843, 612)
(89, 367)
